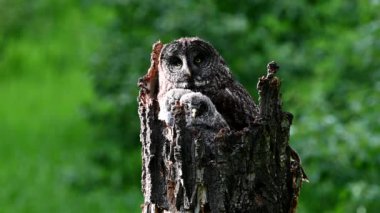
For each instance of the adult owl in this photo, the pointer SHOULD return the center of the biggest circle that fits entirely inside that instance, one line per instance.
(194, 64)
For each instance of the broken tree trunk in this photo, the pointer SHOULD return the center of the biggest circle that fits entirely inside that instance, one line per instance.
(252, 170)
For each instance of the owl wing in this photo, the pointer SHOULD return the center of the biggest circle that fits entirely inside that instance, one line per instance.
(236, 105)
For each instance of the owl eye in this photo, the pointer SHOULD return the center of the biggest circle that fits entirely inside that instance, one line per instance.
(202, 108)
(175, 61)
(198, 59)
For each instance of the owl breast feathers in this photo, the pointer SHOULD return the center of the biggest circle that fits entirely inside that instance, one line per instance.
(195, 65)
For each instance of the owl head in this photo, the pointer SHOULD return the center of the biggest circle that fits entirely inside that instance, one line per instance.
(191, 63)
(200, 111)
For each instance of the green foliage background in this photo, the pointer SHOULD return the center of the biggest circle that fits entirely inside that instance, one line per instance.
(68, 72)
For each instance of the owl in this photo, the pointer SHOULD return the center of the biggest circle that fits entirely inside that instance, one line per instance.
(201, 112)
(194, 64)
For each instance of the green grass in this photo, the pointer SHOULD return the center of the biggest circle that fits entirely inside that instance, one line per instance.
(45, 140)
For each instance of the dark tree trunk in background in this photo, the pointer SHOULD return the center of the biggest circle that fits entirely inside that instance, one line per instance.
(252, 170)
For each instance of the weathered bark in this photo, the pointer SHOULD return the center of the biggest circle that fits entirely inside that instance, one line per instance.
(252, 170)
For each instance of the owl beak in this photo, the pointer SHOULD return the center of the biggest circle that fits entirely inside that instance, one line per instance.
(186, 70)
(193, 112)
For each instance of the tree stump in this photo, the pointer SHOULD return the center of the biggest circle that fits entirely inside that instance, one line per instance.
(251, 170)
